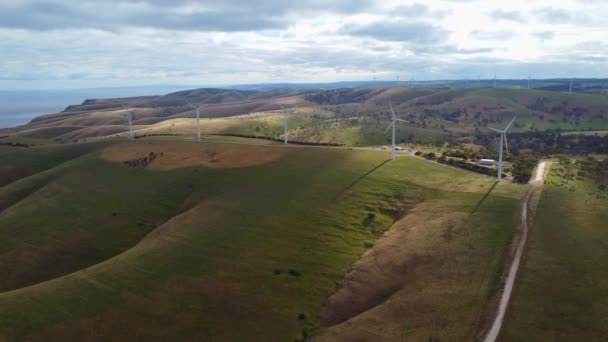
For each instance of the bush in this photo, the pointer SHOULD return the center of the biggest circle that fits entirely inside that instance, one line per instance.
(294, 273)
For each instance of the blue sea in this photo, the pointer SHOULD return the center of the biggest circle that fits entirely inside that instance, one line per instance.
(20, 106)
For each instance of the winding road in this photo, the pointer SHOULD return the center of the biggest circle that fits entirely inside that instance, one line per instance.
(535, 184)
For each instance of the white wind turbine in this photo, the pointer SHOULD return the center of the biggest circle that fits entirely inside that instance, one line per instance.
(570, 92)
(130, 118)
(198, 119)
(284, 122)
(393, 123)
(503, 138)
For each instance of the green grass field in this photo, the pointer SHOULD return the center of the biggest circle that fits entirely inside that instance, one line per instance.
(562, 290)
(91, 249)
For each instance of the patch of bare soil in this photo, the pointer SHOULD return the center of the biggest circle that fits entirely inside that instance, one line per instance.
(172, 155)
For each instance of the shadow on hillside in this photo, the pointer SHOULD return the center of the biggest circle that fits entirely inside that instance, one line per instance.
(483, 198)
(360, 179)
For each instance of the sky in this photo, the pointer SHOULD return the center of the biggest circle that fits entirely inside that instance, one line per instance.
(62, 44)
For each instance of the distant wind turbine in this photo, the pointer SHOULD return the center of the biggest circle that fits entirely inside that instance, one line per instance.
(494, 80)
(198, 119)
(393, 123)
(284, 122)
(503, 138)
(528, 81)
(570, 92)
(130, 118)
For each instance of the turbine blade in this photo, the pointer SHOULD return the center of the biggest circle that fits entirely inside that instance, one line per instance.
(389, 127)
(401, 120)
(510, 123)
(495, 130)
(504, 135)
(392, 111)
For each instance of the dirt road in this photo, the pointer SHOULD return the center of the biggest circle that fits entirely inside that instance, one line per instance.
(535, 184)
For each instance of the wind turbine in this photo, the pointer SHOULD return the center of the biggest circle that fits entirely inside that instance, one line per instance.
(503, 138)
(570, 87)
(198, 119)
(284, 122)
(528, 81)
(130, 118)
(494, 80)
(393, 124)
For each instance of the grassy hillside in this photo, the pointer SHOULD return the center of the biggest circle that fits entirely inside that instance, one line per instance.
(353, 116)
(247, 246)
(562, 294)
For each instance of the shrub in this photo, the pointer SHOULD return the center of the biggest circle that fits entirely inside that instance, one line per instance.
(294, 273)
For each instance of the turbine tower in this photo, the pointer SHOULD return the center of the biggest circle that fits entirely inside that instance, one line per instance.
(494, 80)
(198, 119)
(284, 123)
(393, 123)
(570, 92)
(130, 115)
(528, 81)
(503, 138)
(130, 118)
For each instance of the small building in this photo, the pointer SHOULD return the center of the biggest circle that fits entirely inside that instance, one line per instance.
(487, 162)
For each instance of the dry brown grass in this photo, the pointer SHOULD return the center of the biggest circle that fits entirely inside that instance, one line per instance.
(422, 281)
(180, 154)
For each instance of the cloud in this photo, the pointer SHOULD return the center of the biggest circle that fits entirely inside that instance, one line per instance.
(398, 31)
(413, 10)
(545, 35)
(449, 50)
(507, 15)
(123, 42)
(227, 15)
(553, 15)
(492, 35)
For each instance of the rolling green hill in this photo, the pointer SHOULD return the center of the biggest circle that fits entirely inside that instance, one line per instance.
(247, 243)
(562, 294)
(353, 116)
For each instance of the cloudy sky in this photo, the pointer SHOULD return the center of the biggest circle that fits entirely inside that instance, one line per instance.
(86, 43)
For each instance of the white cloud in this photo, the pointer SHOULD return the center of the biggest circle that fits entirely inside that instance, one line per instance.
(114, 42)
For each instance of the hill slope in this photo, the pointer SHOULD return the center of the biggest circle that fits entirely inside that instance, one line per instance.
(247, 244)
(353, 116)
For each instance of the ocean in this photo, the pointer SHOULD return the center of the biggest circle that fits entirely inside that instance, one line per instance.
(18, 107)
